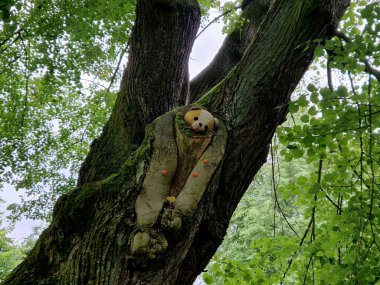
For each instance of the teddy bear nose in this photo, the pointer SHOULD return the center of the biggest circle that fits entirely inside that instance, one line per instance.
(200, 124)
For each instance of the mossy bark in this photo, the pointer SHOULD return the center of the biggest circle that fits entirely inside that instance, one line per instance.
(232, 49)
(154, 82)
(91, 237)
(93, 227)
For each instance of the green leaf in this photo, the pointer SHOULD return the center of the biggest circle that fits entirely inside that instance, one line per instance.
(326, 93)
(319, 51)
(366, 12)
(328, 177)
(308, 140)
(302, 180)
(314, 98)
(293, 107)
(312, 111)
(312, 88)
(288, 157)
(207, 278)
(291, 146)
(297, 153)
(302, 101)
(305, 118)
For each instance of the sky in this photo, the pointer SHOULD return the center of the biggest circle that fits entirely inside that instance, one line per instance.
(23, 228)
(204, 49)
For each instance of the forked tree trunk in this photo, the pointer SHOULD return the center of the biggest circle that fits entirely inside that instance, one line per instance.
(117, 226)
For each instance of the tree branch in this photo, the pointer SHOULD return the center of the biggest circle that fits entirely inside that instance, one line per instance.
(124, 50)
(217, 18)
(19, 36)
(231, 51)
(368, 66)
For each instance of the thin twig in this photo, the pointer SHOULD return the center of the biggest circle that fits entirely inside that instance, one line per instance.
(353, 168)
(329, 75)
(331, 87)
(338, 206)
(307, 269)
(341, 131)
(300, 244)
(332, 202)
(19, 35)
(276, 197)
(360, 176)
(315, 198)
(274, 186)
(25, 110)
(117, 68)
(217, 18)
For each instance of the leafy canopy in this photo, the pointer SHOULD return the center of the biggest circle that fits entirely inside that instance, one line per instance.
(57, 75)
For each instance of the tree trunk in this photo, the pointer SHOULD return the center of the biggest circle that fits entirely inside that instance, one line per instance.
(154, 82)
(161, 215)
(232, 49)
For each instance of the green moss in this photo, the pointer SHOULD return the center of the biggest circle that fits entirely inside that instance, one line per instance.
(142, 153)
(110, 180)
(206, 99)
(79, 201)
(183, 126)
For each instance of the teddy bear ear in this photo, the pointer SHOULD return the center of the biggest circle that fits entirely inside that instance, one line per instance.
(216, 124)
(195, 108)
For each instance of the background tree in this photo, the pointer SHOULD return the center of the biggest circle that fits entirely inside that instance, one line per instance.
(10, 254)
(324, 232)
(94, 223)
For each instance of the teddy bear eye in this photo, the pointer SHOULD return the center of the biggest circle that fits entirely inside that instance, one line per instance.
(195, 118)
(206, 127)
(200, 124)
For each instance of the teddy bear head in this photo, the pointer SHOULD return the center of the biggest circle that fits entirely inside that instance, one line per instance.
(200, 120)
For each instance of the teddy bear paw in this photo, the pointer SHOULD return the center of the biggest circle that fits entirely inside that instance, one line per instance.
(148, 244)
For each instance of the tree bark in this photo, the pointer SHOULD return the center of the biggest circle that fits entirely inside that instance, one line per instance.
(123, 133)
(232, 49)
(154, 82)
(103, 233)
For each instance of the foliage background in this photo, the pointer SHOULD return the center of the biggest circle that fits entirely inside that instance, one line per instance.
(312, 214)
